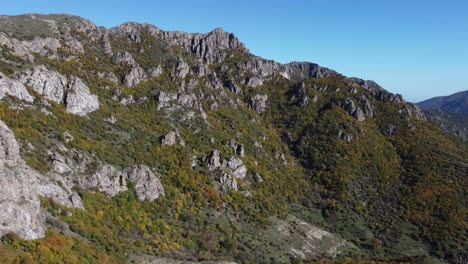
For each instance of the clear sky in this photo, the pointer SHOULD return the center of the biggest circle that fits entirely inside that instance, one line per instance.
(413, 47)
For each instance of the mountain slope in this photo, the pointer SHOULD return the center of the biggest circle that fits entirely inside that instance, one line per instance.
(454, 103)
(449, 112)
(187, 146)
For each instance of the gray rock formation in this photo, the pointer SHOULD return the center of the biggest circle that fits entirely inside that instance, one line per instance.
(351, 108)
(236, 166)
(50, 84)
(147, 184)
(72, 92)
(78, 99)
(169, 139)
(21, 187)
(181, 69)
(226, 171)
(155, 71)
(111, 181)
(134, 77)
(124, 58)
(258, 102)
(10, 87)
(201, 69)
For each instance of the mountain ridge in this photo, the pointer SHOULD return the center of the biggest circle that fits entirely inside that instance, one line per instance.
(187, 146)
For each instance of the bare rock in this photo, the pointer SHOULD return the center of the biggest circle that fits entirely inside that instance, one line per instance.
(254, 81)
(50, 84)
(9, 87)
(124, 57)
(79, 100)
(71, 92)
(181, 69)
(258, 102)
(201, 69)
(21, 187)
(155, 71)
(169, 139)
(355, 111)
(134, 77)
(236, 166)
(213, 160)
(147, 184)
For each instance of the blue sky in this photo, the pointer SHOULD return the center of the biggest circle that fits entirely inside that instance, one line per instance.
(415, 48)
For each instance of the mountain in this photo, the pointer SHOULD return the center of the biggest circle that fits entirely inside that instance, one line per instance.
(138, 144)
(449, 112)
(455, 103)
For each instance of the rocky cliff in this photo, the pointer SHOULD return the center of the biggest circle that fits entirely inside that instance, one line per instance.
(186, 145)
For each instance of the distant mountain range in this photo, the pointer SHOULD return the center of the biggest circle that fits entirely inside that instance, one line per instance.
(455, 103)
(449, 112)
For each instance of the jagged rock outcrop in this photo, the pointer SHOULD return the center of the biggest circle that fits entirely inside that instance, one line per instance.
(111, 181)
(72, 92)
(10, 87)
(181, 69)
(298, 71)
(226, 171)
(171, 139)
(134, 77)
(351, 108)
(201, 69)
(147, 184)
(78, 99)
(258, 102)
(237, 167)
(21, 188)
(136, 73)
(50, 84)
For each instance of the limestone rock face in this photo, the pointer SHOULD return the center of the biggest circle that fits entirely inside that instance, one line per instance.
(124, 57)
(14, 88)
(355, 111)
(298, 71)
(21, 187)
(258, 102)
(239, 170)
(106, 179)
(181, 69)
(226, 171)
(147, 184)
(111, 181)
(50, 84)
(136, 74)
(46, 47)
(72, 92)
(134, 77)
(79, 100)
